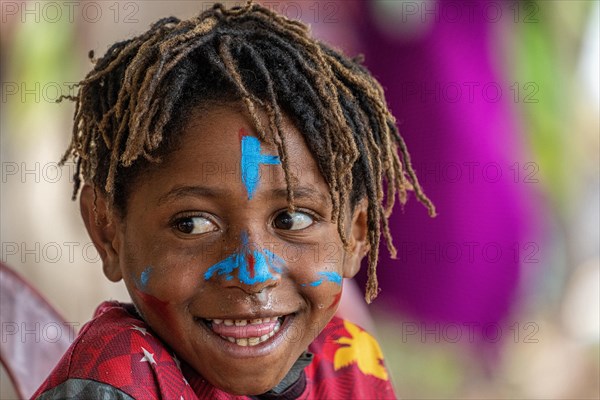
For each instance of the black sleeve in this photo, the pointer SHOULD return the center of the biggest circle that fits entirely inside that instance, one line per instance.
(84, 389)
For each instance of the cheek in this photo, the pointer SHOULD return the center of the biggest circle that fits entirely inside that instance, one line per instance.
(162, 294)
(317, 272)
(174, 284)
(161, 268)
(325, 296)
(152, 304)
(336, 300)
(158, 281)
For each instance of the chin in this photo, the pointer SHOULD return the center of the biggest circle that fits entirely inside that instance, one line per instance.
(248, 386)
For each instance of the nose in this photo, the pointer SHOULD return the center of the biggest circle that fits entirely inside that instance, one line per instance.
(251, 268)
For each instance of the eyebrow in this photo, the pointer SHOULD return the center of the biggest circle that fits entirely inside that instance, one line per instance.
(178, 192)
(189, 191)
(302, 192)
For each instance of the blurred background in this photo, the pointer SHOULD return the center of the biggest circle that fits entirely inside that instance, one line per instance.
(498, 101)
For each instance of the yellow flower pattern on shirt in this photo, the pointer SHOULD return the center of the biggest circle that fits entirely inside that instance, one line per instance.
(360, 349)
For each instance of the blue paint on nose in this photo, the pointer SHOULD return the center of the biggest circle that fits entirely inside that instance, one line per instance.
(252, 266)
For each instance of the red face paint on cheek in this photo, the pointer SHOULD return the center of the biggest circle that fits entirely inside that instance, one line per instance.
(160, 307)
(336, 300)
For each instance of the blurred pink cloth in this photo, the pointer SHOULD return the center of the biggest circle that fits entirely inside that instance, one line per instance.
(34, 335)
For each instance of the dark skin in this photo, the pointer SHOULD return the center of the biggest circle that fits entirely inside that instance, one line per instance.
(181, 220)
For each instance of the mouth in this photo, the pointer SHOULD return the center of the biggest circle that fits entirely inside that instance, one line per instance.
(246, 332)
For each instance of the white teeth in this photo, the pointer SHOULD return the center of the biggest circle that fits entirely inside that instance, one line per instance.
(243, 322)
(251, 341)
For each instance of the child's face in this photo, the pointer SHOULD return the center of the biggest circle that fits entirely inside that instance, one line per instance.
(207, 241)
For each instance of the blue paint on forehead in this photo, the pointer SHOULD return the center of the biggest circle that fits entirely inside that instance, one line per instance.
(250, 163)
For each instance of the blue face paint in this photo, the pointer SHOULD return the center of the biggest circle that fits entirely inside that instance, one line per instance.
(329, 276)
(145, 277)
(251, 160)
(253, 266)
(332, 276)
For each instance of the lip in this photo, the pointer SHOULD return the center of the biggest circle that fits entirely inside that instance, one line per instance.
(259, 350)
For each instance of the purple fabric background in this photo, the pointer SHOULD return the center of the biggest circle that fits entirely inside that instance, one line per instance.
(430, 280)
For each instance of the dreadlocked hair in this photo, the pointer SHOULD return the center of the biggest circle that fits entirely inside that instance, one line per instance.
(130, 108)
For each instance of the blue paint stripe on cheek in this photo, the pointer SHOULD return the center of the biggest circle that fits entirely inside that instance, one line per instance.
(329, 276)
(145, 276)
(275, 262)
(332, 276)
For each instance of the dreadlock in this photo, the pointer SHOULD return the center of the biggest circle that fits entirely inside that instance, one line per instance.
(130, 107)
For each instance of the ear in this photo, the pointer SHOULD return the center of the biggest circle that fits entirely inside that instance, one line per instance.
(101, 225)
(357, 239)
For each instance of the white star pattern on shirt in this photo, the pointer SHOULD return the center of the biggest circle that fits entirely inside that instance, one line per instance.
(186, 382)
(148, 357)
(143, 331)
(177, 362)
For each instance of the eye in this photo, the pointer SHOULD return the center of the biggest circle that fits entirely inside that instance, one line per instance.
(195, 225)
(293, 221)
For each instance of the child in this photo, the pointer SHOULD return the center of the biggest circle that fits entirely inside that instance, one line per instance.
(233, 174)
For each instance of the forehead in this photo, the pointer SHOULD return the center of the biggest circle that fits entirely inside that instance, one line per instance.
(210, 150)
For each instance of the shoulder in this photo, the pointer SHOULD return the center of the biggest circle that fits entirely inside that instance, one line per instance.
(115, 350)
(348, 361)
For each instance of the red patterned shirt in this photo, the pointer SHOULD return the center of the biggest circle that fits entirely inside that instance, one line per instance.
(116, 356)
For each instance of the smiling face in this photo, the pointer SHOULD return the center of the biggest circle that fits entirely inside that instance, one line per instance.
(216, 264)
